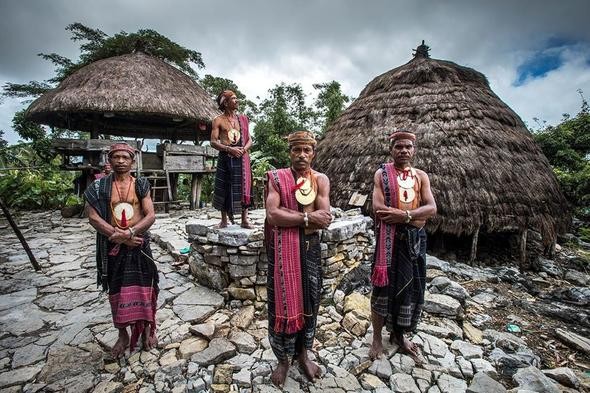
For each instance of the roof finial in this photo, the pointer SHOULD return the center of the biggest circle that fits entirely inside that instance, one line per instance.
(422, 51)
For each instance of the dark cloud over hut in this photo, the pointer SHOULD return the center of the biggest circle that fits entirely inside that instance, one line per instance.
(261, 43)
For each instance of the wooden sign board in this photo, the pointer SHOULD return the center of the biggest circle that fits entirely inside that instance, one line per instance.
(358, 199)
(184, 163)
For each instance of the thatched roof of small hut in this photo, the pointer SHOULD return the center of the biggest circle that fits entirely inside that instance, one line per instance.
(133, 95)
(486, 171)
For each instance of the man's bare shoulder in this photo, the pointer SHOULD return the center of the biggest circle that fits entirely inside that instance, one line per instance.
(321, 176)
(421, 173)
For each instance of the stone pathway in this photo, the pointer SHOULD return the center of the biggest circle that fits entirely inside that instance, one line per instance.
(55, 330)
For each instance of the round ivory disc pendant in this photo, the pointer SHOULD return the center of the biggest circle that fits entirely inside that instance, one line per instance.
(408, 183)
(234, 136)
(305, 197)
(123, 206)
(406, 195)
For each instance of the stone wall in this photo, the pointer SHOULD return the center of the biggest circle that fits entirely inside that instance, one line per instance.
(233, 260)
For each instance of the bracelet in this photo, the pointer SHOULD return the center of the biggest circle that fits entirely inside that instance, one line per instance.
(131, 232)
(408, 217)
(305, 219)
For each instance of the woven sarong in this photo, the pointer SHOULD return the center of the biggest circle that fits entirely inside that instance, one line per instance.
(133, 289)
(402, 300)
(286, 346)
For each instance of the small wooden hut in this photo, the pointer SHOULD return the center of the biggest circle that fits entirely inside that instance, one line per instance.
(490, 180)
(135, 96)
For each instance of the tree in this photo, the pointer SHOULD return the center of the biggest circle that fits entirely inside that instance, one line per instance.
(567, 147)
(3, 142)
(283, 112)
(215, 85)
(330, 102)
(94, 45)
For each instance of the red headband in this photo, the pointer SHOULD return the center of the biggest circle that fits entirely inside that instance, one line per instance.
(301, 137)
(402, 135)
(121, 147)
(225, 95)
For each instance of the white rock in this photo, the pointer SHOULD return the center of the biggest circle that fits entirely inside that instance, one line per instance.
(403, 383)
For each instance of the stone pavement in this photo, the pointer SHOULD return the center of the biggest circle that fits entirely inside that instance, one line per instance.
(55, 330)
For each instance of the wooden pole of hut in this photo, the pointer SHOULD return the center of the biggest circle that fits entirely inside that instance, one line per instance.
(474, 241)
(20, 236)
(522, 249)
(196, 187)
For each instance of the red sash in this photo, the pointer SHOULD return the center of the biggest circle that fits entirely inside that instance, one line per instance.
(386, 232)
(288, 294)
(246, 172)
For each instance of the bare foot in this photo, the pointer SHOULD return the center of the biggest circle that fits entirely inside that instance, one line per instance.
(247, 225)
(121, 345)
(148, 340)
(222, 224)
(280, 374)
(376, 349)
(310, 369)
(409, 348)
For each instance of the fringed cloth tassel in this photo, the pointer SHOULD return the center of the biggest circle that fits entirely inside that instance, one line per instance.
(379, 277)
(289, 325)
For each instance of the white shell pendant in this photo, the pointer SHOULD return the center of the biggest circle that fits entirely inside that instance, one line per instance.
(234, 136)
(406, 195)
(118, 211)
(305, 194)
(408, 183)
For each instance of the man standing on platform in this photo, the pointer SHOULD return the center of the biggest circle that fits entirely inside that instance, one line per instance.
(297, 206)
(120, 208)
(233, 179)
(402, 202)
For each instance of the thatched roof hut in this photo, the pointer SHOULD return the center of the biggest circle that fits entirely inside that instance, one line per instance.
(133, 95)
(486, 171)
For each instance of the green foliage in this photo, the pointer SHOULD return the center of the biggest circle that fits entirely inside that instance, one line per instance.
(3, 142)
(260, 164)
(94, 45)
(73, 200)
(27, 129)
(37, 184)
(214, 85)
(98, 45)
(183, 191)
(567, 147)
(40, 139)
(20, 155)
(283, 112)
(34, 189)
(27, 90)
(585, 234)
(330, 102)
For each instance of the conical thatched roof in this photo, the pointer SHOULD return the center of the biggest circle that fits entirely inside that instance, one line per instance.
(485, 169)
(132, 95)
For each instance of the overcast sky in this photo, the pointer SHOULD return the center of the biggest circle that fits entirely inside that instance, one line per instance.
(535, 53)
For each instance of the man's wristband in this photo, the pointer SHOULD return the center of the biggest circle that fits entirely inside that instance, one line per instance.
(305, 219)
(131, 232)
(408, 217)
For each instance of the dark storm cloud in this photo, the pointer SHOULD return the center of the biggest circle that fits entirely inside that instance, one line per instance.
(347, 40)
(266, 30)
